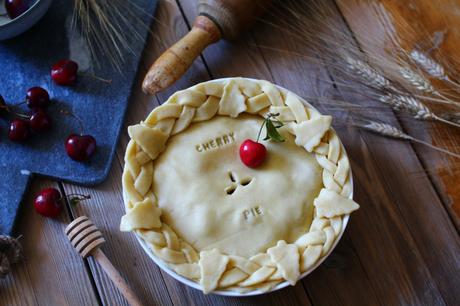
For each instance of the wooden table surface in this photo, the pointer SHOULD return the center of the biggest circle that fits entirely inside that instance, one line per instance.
(401, 248)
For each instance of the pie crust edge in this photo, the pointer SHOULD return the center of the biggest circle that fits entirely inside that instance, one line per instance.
(231, 97)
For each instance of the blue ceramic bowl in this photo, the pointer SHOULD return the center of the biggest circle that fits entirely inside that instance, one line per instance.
(12, 27)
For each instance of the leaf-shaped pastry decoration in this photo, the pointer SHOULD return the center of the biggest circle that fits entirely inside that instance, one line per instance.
(232, 102)
(330, 204)
(144, 215)
(286, 257)
(212, 265)
(309, 133)
(151, 140)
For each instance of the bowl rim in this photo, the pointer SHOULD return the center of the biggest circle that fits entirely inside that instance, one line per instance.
(163, 266)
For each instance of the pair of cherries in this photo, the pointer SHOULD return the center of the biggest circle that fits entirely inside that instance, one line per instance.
(37, 99)
(78, 147)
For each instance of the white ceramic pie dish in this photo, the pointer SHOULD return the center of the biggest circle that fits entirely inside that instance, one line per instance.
(281, 285)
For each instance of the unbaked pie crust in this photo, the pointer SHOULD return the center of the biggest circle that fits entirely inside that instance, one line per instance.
(218, 222)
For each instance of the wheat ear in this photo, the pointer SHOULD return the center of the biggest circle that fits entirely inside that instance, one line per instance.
(371, 75)
(433, 68)
(417, 80)
(393, 132)
(422, 84)
(415, 107)
(429, 65)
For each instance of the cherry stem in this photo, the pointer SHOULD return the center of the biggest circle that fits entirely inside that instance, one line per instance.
(95, 77)
(80, 122)
(77, 198)
(270, 115)
(260, 130)
(8, 109)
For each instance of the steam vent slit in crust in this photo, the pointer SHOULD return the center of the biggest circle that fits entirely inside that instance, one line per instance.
(217, 222)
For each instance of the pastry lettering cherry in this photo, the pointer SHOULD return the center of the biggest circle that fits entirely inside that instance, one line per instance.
(48, 202)
(19, 130)
(64, 72)
(15, 8)
(252, 153)
(80, 147)
(40, 121)
(37, 97)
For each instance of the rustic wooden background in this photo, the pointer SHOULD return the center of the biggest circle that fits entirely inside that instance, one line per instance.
(401, 248)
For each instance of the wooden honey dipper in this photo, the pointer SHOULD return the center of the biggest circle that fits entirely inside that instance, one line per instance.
(216, 19)
(86, 239)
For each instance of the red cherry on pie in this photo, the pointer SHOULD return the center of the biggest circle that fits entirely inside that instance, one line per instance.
(48, 202)
(252, 153)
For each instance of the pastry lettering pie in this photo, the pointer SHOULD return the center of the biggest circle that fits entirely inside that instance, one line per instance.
(214, 220)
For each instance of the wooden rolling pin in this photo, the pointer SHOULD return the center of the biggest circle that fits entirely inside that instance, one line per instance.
(216, 19)
(86, 239)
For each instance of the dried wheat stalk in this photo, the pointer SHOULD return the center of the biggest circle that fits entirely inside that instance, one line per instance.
(417, 80)
(430, 66)
(408, 103)
(393, 132)
(399, 100)
(370, 75)
(108, 26)
(453, 117)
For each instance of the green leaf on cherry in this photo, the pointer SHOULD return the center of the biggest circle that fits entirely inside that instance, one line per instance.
(272, 124)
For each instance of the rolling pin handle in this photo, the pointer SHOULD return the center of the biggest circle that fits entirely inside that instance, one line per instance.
(172, 64)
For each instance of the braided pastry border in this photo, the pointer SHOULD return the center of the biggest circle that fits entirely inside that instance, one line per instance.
(231, 97)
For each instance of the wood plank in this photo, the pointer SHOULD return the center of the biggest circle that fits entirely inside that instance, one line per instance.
(52, 273)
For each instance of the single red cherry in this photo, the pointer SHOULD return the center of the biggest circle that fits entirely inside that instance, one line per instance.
(48, 202)
(40, 121)
(19, 130)
(64, 72)
(15, 8)
(37, 97)
(252, 153)
(80, 147)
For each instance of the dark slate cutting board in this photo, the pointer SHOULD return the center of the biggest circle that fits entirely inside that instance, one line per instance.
(25, 61)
